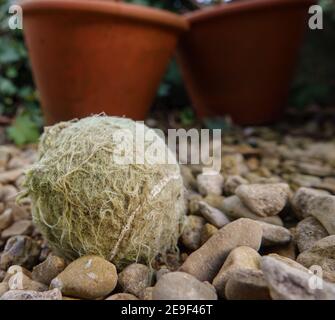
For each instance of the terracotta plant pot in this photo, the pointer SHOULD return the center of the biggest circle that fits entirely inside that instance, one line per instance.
(98, 56)
(239, 58)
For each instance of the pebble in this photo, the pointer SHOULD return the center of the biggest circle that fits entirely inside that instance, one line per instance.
(205, 262)
(315, 169)
(288, 250)
(264, 199)
(231, 183)
(308, 232)
(191, 234)
(289, 283)
(328, 184)
(304, 180)
(270, 162)
(8, 193)
(21, 227)
(234, 208)
(253, 163)
(122, 296)
(288, 261)
(48, 269)
(17, 163)
(10, 175)
(163, 270)
(322, 150)
(54, 294)
(302, 199)
(323, 209)
(6, 219)
(214, 200)
(12, 270)
(189, 181)
(233, 164)
(135, 278)
(247, 284)
(322, 253)
(255, 178)
(4, 156)
(20, 250)
(20, 281)
(207, 231)
(193, 203)
(89, 277)
(212, 215)
(3, 288)
(241, 257)
(2, 275)
(274, 235)
(18, 212)
(147, 293)
(210, 183)
(182, 286)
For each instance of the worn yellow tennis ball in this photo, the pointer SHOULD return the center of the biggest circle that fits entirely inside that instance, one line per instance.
(89, 197)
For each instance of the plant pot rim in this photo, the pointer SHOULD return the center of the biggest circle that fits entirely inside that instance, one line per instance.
(119, 9)
(241, 6)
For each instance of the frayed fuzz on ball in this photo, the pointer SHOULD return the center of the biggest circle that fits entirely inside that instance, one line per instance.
(85, 202)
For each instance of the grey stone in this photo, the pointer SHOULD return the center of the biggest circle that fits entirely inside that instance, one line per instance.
(234, 208)
(122, 296)
(308, 232)
(135, 278)
(239, 258)
(54, 294)
(205, 262)
(214, 216)
(323, 209)
(289, 283)
(20, 250)
(210, 183)
(20, 281)
(274, 235)
(302, 199)
(231, 183)
(89, 277)
(264, 199)
(6, 219)
(207, 231)
(247, 284)
(191, 235)
(322, 253)
(48, 269)
(182, 286)
(21, 227)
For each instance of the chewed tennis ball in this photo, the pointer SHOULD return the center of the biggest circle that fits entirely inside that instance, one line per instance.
(96, 191)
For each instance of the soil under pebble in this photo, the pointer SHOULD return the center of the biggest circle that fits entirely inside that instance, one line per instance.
(263, 228)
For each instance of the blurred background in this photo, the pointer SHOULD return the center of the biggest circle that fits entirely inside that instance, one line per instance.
(20, 115)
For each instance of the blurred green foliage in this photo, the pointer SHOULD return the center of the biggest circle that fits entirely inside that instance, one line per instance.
(315, 81)
(25, 128)
(18, 95)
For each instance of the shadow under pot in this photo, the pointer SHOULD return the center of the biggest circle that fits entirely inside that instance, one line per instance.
(239, 58)
(98, 56)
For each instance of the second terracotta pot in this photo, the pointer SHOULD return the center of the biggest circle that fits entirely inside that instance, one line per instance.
(239, 58)
(98, 56)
